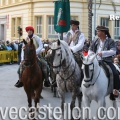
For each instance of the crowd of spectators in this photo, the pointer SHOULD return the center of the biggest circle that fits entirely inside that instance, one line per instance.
(116, 58)
(12, 46)
(18, 46)
(8, 45)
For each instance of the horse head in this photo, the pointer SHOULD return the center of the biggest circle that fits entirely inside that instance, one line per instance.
(89, 65)
(29, 52)
(59, 54)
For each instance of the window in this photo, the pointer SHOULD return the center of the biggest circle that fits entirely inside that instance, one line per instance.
(17, 1)
(8, 2)
(13, 27)
(3, 2)
(105, 22)
(117, 29)
(39, 26)
(19, 21)
(51, 31)
(15, 23)
(18, 24)
(74, 18)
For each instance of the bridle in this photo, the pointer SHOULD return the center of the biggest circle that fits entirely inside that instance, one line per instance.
(29, 65)
(64, 68)
(53, 52)
(91, 76)
(29, 62)
(87, 67)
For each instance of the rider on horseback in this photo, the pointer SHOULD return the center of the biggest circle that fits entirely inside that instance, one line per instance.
(43, 64)
(75, 39)
(105, 47)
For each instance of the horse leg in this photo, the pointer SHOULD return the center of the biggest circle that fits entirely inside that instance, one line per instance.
(62, 96)
(101, 103)
(86, 115)
(115, 106)
(72, 105)
(52, 88)
(29, 105)
(54, 91)
(37, 98)
(79, 97)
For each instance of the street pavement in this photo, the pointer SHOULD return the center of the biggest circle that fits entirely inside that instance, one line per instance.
(11, 96)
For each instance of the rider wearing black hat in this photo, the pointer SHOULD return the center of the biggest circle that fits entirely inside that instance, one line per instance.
(75, 39)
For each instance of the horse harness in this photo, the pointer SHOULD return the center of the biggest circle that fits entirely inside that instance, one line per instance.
(26, 66)
(87, 74)
(53, 54)
(65, 79)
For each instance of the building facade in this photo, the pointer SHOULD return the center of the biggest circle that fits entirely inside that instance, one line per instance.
(39, 14)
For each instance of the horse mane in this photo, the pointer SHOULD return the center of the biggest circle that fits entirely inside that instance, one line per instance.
(66, 47)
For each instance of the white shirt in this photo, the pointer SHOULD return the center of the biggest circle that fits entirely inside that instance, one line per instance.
(105, 53)
(15, 46)
(79, 46)
(38, 50)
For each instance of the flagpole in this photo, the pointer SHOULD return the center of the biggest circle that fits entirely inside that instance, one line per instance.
(61, 36)
(94, 17)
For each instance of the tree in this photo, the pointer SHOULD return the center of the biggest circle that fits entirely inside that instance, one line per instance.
(20, 32)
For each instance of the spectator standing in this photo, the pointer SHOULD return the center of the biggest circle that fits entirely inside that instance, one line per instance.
(19, 51)
(8, 46)
(118, 50)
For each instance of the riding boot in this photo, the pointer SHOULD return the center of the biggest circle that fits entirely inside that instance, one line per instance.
(112, 96)
(116, 82)
(46, 82)
(19, 82)
(45, 70)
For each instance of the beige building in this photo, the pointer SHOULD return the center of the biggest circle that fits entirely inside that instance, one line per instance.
(39, 14)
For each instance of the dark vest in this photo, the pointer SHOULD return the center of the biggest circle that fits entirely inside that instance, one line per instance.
(76, 38)
(108, 45)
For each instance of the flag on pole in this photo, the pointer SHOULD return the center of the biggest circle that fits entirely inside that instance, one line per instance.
(62, 16)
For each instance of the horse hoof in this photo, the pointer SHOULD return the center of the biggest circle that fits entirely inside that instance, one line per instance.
(41, 97)
(58, 96)
(32, 117)
(112, 97)
(54, 95)
(46, 84)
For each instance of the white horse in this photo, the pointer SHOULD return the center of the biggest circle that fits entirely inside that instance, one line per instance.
(68, 72)
(95, 85)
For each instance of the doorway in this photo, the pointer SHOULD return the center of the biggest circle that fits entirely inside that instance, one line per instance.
(2, 32)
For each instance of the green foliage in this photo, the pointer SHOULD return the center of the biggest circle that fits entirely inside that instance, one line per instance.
(20, 32)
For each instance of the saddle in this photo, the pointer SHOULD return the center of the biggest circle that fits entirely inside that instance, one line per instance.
(108, 71)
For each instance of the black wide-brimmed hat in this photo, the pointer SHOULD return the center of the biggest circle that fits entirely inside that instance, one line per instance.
(102, 28)
(75, 22)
